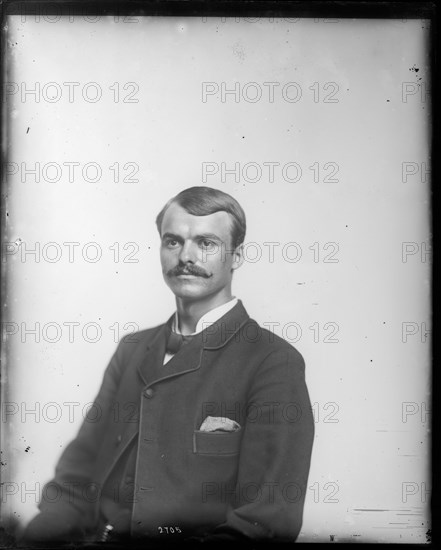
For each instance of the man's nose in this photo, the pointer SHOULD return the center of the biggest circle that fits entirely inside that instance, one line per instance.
(188, 253)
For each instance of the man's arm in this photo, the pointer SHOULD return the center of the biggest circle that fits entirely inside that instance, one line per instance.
(275, 454)
(66, 501)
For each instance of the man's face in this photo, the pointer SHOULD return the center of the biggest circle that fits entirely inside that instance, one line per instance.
(196, 253)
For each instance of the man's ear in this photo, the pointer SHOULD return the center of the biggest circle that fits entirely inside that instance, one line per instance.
(238, 257)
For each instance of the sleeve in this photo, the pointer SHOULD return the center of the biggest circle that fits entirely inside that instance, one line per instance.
(275, 455)
(67, 500)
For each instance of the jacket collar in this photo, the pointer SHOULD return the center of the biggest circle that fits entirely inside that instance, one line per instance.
(224, 329)
(188, 359)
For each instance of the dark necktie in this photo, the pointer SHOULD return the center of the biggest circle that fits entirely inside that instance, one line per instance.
(176, 341)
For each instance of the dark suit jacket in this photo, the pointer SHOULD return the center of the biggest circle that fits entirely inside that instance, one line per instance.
(251, 481)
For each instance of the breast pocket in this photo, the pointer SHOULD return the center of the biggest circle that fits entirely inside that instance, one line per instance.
(216, 443)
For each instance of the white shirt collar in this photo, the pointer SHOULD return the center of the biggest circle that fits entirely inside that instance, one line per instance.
(209, 318)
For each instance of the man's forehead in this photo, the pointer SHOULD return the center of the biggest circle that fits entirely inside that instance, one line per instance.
(177, 220)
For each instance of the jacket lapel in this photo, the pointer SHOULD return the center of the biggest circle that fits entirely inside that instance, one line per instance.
(151, 363)
(226, 328)
(189, 357)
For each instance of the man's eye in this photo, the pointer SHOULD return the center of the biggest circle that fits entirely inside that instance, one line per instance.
(171, 243)
(207, 244)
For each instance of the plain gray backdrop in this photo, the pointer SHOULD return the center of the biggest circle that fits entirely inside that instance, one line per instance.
(321, 130)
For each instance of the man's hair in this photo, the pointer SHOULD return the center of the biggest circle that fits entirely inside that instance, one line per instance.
(202, 201)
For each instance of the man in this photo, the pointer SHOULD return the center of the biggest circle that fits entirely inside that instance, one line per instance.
(205, 426)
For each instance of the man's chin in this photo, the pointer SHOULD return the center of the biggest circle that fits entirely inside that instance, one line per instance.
(187, 286)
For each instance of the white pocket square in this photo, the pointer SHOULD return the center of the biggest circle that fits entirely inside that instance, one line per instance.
(219, 423)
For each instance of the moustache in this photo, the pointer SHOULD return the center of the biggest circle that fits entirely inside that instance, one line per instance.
(188, 270)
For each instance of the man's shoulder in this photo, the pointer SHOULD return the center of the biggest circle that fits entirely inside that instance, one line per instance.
(142, 336)
(267, 341)
(136, 342)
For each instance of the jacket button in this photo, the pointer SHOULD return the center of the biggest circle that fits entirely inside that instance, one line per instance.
(149, 393)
